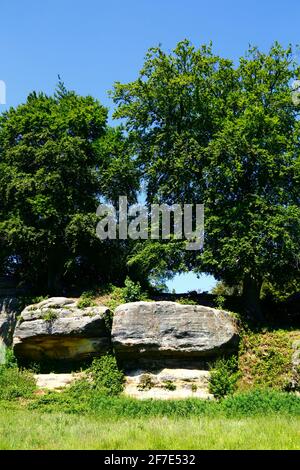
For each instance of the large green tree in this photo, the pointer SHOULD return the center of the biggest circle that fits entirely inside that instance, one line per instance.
(207, 131)
(58, 158)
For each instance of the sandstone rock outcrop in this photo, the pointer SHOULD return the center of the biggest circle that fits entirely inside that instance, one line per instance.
(162, 330)
(57, 329)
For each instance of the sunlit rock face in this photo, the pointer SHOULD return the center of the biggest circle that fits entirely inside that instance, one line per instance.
(57, 329)
(168, 330)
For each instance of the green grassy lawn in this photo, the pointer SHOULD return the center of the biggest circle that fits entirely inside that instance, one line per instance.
(25, 429)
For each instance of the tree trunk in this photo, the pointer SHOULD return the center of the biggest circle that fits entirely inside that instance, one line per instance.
(54, 273)
(251, 298)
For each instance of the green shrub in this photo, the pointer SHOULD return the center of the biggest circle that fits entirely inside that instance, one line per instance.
(24, 301)
(252, 403)
(185, 301)
(10, 359)
(113, 296)
(220, 302)
(223, 377)
(116, 298)
(86, 300)
(106, 376)
(80, 388)
(265, 360)
(50, 315)
(169, 385)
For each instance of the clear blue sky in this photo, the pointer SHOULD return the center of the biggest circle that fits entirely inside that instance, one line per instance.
(93, 43)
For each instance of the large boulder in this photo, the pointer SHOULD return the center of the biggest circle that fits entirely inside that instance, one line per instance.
(56, 329)
(168, 330)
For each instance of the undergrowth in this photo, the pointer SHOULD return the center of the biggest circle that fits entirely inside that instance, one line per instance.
(15, 382)
(265, 360)
(251, 403)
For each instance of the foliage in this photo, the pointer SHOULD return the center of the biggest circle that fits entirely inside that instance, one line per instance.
(113, 298)
(223, 289)
(145, 383)
(50, 315)
(255, 402)
(265, 359)
(15, 383)
(279, 293)
(220, 301)
(102, 378)
(86, 300)
(106, 375)
(207, 131)
(23, 429)
(10, 359)
(132, 291)
(25, 300)
(58, 157)
(223, 377)
(169, 385)
(186, 301)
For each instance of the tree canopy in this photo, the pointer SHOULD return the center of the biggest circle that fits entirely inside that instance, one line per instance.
(198, 129)
(58, 157)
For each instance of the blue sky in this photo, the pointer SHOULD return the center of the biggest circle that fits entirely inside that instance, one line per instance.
(93, 43)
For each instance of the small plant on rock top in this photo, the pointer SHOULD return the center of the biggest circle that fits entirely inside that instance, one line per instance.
(50, 315)
(14, 382)
(133, 291)
(184, 301)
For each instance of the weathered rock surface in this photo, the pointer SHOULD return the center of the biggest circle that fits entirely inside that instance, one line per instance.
(57, 329)
(162, 384)
(167, 384)
(170, 330)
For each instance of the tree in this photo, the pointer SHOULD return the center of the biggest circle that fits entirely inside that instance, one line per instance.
(58, 157)
(209, 132)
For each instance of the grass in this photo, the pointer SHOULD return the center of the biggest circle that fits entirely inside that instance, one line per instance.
(64, 431)
(15, 383)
